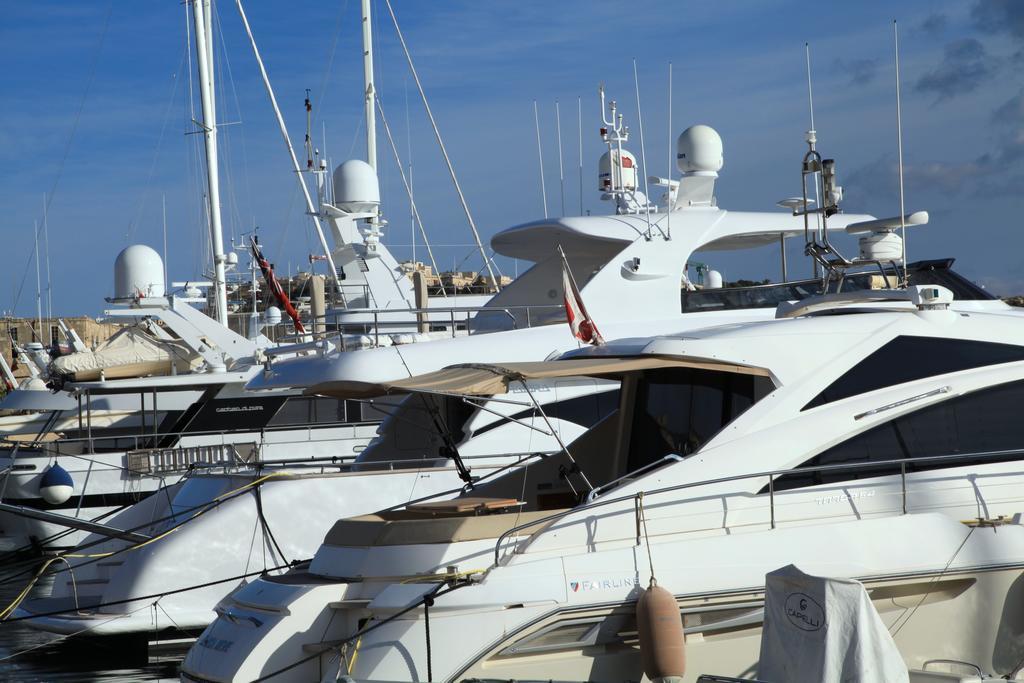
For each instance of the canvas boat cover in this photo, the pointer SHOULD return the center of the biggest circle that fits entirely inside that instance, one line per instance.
(130, 352)
(487, 380)
(822, 630)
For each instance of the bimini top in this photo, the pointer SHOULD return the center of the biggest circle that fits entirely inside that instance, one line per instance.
(476, 379)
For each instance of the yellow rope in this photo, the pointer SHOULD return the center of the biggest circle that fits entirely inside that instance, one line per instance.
(433, 578)
(355, 655)
(27, 589)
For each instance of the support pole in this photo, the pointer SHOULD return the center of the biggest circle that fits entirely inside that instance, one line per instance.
(369, 97)
(204, 58)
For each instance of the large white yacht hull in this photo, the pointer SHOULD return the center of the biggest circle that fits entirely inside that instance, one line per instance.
(104, 482)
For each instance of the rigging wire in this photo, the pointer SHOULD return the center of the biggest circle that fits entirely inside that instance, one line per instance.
(71, 138)
(488, 263)
(156, 152)
(408, 189)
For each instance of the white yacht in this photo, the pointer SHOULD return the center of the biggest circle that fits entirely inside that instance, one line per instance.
(122, 438)
(873, 438)
(864, 434)
(630, 256)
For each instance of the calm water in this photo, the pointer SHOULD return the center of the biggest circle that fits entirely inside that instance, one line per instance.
(27, 655)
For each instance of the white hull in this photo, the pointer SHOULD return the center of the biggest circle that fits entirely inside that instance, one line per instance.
(227, 541)
(104, 484)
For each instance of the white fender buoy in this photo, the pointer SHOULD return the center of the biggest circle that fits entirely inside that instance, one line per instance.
(660, 630)
(56, 485)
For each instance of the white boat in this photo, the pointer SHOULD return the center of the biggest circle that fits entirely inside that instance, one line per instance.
(167, 394)
(867, 434)
(904, 476)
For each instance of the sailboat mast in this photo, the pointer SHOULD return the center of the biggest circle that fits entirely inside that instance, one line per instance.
(370, 93)
(204, 58)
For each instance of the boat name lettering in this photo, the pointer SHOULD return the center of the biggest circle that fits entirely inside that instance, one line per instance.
(603, 584)
(216, 644)
(238, 409)
(804, 612)
(844, 497)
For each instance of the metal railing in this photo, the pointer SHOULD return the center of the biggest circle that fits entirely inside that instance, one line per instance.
(771, 475)
(351, 463)
(333, 324)
(226, 437)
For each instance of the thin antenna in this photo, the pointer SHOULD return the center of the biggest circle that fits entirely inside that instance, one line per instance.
(810, 89)
(643, 151)
(408, 157)
(39, 287)
(540, 159)
(46, 250)
(899, 149)
(812, 138)
(670, 204)
(561, 169)
(579, 143)
(163, 203)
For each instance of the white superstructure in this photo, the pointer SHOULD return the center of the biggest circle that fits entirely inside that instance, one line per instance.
(879, 444)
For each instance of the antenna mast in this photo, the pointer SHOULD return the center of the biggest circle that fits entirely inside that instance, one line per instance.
(204, 59)
(899, 148)
(561, 171)
(369, 101)
(39, 286)
(579, 143)
(540, 159)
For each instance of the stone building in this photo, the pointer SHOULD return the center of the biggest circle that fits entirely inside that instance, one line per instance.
(24, 330)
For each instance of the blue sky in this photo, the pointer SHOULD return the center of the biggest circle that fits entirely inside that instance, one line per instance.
(96, 109)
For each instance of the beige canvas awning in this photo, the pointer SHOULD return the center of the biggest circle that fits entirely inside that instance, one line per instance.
(488, 380)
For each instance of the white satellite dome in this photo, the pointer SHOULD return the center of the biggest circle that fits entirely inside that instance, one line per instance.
(356, 188)
(606, 180)
(272, 316)
(138, 271)
(699, 150)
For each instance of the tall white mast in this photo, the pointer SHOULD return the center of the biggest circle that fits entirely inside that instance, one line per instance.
(371, 94)
(204, 59)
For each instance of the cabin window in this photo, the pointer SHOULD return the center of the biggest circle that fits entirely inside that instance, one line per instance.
(907, 358)
(983, 421)
(54, 335)
(304, 410)
(679, 409)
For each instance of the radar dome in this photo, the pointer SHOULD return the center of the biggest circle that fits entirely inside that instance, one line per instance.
(138, 272)
(355, 187)
(272, 316)
(699, 150)
(609, 181)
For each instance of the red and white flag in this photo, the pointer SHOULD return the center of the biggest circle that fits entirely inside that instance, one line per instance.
(580, 322)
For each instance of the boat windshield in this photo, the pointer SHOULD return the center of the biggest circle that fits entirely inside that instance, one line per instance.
(677, 410)
(932, 272)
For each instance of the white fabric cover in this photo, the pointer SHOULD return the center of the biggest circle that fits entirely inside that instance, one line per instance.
(821, 630)
(130, 352)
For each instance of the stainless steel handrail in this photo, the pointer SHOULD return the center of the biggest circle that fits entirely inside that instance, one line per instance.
(337, 317)
(159, 435)
(770, 474)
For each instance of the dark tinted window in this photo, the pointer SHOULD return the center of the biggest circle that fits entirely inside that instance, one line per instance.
(983, 421)
(906, 359)
(678, 409)
(305, 410)
(586, 410)
(934, 272)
